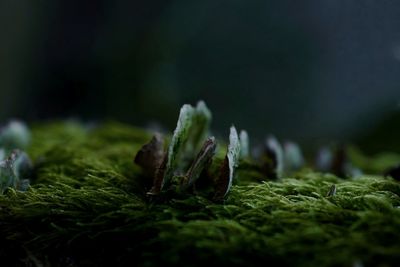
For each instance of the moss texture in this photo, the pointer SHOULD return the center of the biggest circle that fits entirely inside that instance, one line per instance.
(87, 206)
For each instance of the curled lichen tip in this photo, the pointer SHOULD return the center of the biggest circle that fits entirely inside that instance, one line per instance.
(234, 147)
(227, 170)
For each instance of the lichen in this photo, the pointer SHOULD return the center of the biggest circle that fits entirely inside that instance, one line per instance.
(87, 205)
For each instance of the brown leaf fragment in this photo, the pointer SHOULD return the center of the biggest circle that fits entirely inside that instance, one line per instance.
(151, 155)
(201, 162)
(158, 181)
(222, 184)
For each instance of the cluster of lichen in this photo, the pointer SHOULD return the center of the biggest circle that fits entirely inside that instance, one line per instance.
(15, 164)
(87, 205)
(189, 156)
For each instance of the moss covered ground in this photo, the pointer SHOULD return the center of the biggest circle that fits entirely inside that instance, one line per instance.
(87, 205)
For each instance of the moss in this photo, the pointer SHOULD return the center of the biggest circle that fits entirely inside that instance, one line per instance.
(87, 206)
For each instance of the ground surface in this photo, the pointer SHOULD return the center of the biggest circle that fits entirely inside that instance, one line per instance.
(87, 206)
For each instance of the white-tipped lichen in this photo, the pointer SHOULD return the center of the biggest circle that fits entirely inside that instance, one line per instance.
(177, 147)
(229, 165)
(190, 132)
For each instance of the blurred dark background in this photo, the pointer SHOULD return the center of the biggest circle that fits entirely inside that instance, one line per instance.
(309, 70)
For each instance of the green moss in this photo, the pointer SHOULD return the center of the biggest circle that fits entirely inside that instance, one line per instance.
(88, 206)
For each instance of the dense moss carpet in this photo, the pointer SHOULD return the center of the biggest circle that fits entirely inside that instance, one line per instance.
(87, 206)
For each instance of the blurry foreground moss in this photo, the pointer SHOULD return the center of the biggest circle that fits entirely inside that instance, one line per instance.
(88, 206)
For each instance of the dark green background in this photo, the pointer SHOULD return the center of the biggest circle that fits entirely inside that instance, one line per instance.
(313, 71)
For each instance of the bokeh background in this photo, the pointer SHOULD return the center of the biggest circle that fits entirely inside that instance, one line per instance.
(313, 71)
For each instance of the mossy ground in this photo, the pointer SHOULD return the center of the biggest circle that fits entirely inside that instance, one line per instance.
(87, 206)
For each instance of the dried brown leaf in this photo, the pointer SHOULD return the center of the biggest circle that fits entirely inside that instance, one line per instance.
(151, 155)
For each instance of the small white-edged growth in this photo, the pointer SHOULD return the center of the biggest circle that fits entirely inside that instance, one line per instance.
(229, 165)
(190, 132)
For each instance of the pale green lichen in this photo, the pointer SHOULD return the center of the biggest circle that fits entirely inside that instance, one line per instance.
(176, 149)
(191, 130)
(233, 154)
(228, 167)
